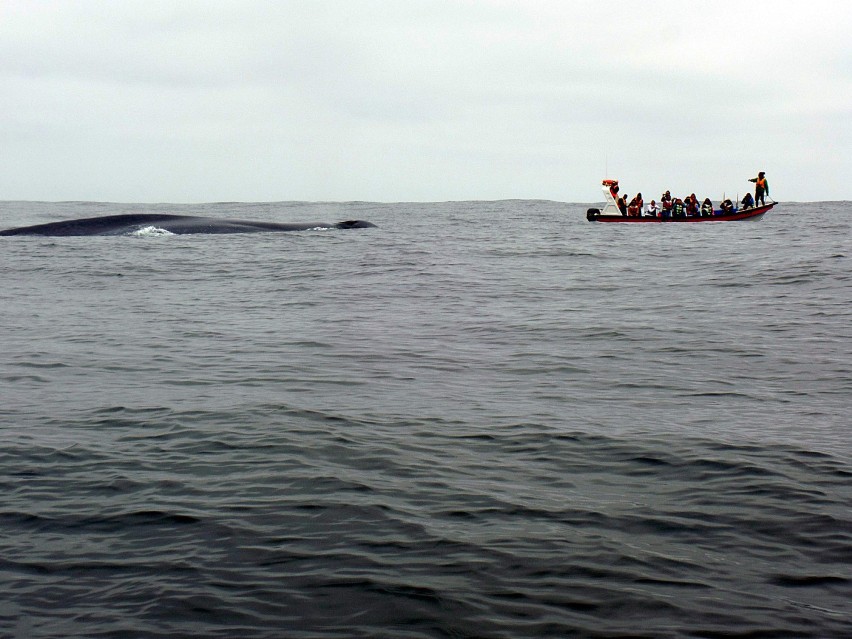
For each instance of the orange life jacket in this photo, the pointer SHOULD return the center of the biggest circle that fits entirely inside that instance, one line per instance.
(761, 182)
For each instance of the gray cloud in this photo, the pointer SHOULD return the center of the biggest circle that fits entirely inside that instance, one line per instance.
(227, 100)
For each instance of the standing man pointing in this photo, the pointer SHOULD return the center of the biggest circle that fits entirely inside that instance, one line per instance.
(761, 188)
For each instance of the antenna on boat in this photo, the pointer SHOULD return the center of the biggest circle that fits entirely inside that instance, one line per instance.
(606, 165)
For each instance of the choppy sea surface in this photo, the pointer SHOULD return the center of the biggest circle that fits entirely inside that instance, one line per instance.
(480, 419)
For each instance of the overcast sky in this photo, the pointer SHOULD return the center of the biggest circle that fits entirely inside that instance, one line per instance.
(401, 100)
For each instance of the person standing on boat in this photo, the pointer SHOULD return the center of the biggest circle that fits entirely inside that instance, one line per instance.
(761, 188)
(613, 189)
(622, 205)
(640, 204)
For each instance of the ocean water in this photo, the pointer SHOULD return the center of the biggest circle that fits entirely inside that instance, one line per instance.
(480, 419)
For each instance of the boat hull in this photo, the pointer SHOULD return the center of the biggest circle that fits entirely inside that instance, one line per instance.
(749, 214)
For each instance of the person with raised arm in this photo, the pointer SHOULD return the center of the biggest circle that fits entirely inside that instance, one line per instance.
(761, 188)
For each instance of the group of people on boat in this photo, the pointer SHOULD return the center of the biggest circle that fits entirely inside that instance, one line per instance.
(669, 207)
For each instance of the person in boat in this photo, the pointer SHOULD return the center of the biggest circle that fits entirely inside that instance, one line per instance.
(706, 207)
(653, 209)
(678, 208)
(622, 204)
(666, 205)
(613, 189)
(633, 207)
(692, 205)
(726, 206)
(640, 204)
(748, 201)
(761, 188)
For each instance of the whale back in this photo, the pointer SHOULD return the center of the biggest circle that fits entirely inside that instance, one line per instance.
(177, 224)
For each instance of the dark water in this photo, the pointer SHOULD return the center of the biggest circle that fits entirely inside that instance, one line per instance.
(482, 419)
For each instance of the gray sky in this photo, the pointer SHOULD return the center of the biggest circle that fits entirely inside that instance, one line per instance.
(212, 100)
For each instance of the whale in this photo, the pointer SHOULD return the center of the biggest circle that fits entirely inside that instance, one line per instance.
(129, 224)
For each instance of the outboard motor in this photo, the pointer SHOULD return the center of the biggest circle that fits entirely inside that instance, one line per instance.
(591, 214)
